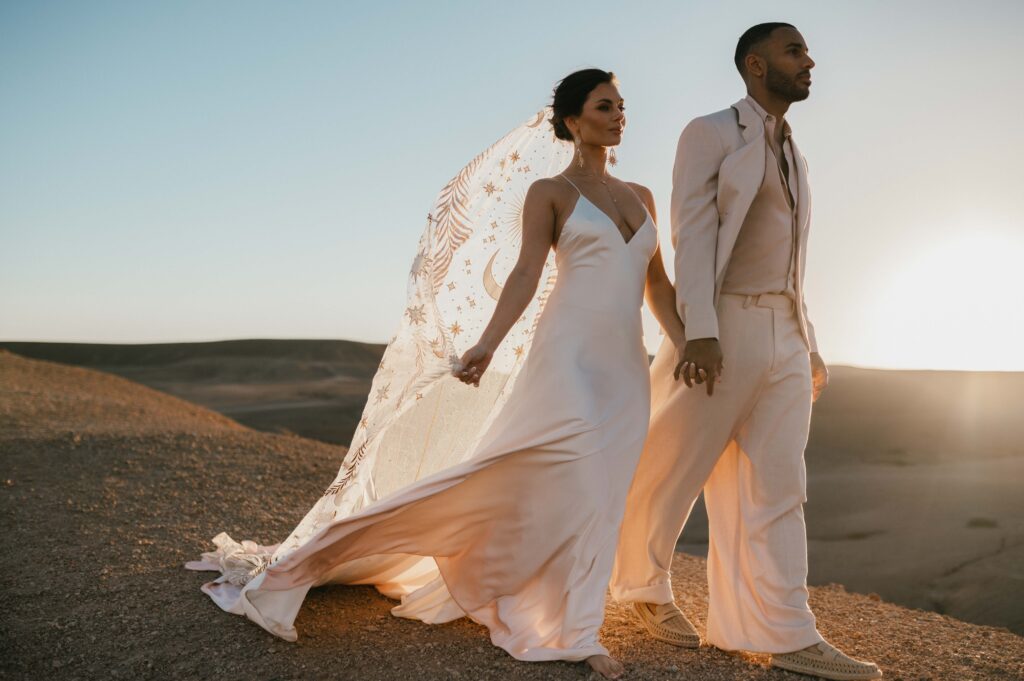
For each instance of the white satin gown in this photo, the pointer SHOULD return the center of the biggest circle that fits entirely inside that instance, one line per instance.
(523, 533)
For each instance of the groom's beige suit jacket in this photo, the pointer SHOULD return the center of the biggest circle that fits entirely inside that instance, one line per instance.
(719, 167)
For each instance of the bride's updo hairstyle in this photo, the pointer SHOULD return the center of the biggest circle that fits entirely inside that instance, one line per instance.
(570, 95)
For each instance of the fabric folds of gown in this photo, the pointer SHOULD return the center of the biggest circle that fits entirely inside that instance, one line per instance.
(521, 536)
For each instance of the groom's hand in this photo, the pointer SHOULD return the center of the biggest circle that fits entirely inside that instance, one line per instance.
(819, 376)
(701, 363)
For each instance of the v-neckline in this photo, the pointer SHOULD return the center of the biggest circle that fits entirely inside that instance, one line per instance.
(625, 242)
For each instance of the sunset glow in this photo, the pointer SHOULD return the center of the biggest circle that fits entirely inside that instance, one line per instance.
(955, 305)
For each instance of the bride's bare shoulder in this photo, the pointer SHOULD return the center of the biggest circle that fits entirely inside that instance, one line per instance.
(551, 191)
(645, 194)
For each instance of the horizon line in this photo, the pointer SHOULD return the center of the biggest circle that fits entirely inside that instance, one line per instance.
(846, 365)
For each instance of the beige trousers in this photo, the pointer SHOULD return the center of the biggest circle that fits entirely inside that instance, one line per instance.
(744, 446)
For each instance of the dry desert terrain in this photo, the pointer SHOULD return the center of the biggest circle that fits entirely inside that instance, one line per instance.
(108, 487)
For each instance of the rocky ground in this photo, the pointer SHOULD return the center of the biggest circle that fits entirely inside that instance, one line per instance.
(107, 488)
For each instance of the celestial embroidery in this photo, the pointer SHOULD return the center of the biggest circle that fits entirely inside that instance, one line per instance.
(416, 314)
(475, 217)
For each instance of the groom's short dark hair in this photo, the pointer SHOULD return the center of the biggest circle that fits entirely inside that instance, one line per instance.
(751, 37)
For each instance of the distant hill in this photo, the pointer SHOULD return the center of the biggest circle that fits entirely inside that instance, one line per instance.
(913, 476)
(315, 388)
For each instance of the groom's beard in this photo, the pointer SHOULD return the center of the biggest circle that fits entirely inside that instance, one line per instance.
(785, 87)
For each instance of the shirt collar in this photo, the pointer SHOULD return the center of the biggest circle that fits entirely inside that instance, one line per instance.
(766, 117)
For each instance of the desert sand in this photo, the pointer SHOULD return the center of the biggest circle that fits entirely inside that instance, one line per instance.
(108, 487)
(913, 476)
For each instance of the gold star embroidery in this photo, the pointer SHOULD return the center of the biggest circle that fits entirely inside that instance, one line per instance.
(472, 303)
(435, 347)
(419, 396)
(514, 156)
(494, 224)
(490, 239)
(382, 393)
(363, 422)
(451, 285)
(490, 188)
(416, 314)
(519, 351)
(526, 169)
(455, 329)
(469, 263)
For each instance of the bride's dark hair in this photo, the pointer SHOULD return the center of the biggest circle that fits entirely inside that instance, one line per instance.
(570, 95)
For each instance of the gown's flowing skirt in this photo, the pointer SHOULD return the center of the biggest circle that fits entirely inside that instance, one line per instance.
(521, 536)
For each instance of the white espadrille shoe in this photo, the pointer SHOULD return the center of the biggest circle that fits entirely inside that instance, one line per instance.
(667, 623)
(827, 662)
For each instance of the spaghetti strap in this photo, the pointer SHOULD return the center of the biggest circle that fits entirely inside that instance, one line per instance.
(572, 183)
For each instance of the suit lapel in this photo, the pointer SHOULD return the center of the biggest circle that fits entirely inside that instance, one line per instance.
(739, 178)
(803, 205)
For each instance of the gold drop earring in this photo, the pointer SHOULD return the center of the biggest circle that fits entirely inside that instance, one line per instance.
(612, 158)
(579, 150)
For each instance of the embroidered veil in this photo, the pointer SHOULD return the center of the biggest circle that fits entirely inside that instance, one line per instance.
(418, 418)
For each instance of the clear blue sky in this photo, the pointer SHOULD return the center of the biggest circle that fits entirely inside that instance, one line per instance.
(210, 170)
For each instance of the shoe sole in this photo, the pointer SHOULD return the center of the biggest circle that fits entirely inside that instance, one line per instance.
(832, 676)
(689, 642)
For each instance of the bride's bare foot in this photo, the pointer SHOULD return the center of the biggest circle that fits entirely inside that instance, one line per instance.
(606, 666)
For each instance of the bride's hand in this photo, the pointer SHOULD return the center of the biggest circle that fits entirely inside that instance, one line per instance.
(474, 364)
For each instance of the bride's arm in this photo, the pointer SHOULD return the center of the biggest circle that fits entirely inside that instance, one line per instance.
(538, 235)
(660, 294)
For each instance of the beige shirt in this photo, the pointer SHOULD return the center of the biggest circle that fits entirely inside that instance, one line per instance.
(763, 258)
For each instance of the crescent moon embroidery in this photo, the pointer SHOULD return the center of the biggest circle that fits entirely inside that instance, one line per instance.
(491, 285)
(540, 118)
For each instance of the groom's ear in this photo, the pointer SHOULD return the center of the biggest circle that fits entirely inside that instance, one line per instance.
(754, 66)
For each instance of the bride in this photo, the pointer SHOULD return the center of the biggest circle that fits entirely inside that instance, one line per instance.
(498, 498)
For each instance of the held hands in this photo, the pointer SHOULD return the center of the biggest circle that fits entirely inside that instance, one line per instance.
(819, 376)
(701, 362)
(474, 363)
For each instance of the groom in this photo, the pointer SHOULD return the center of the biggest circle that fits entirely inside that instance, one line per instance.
(740, 213)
